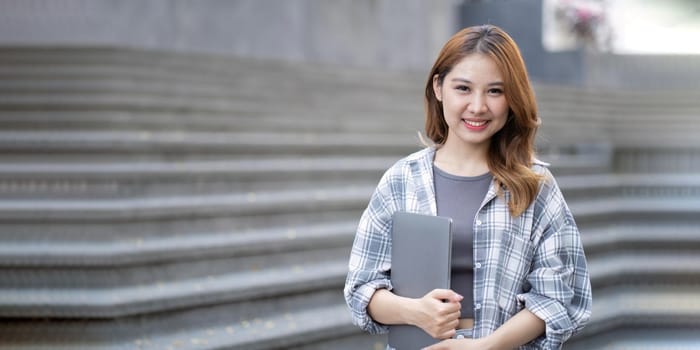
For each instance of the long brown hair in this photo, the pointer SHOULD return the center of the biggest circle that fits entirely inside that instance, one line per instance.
(511, 150)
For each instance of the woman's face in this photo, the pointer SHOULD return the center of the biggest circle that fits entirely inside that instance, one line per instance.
(473, 101)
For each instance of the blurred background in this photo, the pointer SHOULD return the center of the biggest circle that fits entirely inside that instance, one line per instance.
(189, 174)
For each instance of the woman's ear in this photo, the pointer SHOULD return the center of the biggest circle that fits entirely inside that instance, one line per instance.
(437, 88)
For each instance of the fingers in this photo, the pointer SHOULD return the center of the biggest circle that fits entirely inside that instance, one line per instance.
(443, 345)
(454, 316)
(444, 326)
(451, 309)
(447, 311)
(440, 313)
(445, 294)
(447, 335)
(450, 330)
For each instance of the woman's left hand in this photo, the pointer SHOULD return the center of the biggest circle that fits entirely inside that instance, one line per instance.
(458, 344)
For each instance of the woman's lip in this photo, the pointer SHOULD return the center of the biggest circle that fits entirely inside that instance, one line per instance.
(475, 124)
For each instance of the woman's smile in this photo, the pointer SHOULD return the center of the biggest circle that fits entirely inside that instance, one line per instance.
(475, 125)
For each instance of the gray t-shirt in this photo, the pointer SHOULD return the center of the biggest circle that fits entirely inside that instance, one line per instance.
(459, 197)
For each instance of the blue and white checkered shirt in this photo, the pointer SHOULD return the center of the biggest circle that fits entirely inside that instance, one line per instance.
(534, 261)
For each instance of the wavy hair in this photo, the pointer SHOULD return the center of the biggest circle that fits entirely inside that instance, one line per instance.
(512, 150)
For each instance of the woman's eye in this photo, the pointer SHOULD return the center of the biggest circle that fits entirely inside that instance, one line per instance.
(495, 91)
(462, 88)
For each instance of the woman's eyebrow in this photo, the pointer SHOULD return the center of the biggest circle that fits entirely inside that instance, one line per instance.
(467, 81)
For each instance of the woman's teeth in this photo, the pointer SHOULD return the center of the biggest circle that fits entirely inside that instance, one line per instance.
(472, 123)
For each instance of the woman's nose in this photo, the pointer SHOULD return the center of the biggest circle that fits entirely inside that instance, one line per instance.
(478, 104)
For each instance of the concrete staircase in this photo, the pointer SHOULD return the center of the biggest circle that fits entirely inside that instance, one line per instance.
(168, 201)
(639, 217)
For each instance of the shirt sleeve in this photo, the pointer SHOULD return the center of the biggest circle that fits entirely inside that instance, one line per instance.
(560, 292)
(370, 258)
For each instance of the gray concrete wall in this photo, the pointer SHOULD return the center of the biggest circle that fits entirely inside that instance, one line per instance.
(522, 19)
(643, 72)
(379, 33)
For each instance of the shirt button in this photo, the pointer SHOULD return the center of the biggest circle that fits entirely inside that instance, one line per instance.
(477, 265)
(478, 222)
(477, 306)
(460, 336)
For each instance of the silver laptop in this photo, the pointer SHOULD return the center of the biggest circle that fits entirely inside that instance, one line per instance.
(420, 262)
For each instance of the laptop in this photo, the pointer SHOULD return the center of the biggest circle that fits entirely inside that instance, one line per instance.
(420, 262)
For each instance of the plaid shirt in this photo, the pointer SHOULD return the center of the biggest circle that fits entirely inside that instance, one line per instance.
(533, 261)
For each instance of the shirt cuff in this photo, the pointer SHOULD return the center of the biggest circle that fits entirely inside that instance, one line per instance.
(559, 327)
(362, 318)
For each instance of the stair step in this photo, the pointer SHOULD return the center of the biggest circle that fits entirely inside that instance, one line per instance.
(244, 168)
(258, 203)
(153, 289)
(641, 337)
(170, 96)
(154, 249)
(650, 208)
(633, 234)
(113, 179)
(257, 121)
(630, 265)
(644, 306)
(126, 61)
(238, 143)
(264, 324)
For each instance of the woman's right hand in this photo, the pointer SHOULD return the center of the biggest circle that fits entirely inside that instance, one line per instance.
(438, 312)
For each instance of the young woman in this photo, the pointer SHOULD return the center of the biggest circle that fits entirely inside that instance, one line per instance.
(519, 274)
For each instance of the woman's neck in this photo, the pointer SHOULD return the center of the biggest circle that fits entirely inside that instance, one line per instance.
(462, 161)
